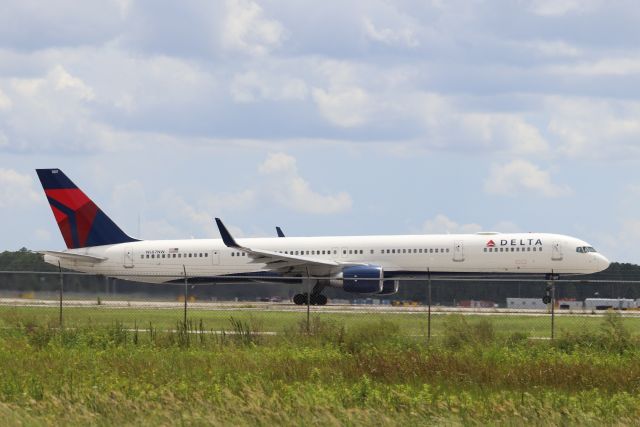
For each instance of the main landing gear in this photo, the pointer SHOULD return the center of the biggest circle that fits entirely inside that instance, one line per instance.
(316, 298)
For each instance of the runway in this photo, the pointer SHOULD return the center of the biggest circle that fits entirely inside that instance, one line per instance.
(290, 307)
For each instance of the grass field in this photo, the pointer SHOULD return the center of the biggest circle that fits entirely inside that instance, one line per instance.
(350, 369)
(411, 324)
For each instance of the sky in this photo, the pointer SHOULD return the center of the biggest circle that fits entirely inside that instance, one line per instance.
(326, 118)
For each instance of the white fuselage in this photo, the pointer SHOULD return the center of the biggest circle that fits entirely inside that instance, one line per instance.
(158, 261)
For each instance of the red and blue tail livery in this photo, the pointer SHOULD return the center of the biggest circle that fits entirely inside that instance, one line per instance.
(82, 223)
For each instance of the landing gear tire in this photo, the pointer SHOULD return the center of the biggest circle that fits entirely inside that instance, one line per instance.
(300, 299)
(318, 299)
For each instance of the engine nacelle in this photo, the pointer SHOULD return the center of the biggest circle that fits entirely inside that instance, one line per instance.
(389, 287)
(361, 279)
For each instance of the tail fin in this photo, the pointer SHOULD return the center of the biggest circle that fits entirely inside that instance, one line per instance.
(81, 222)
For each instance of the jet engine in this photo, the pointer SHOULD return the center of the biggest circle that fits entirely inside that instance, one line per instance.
(389, 287)
(360, 279)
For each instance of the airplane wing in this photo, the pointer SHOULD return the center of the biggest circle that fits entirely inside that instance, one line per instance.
(74, 257)
(275, 260)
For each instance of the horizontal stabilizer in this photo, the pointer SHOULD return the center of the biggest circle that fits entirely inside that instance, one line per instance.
(74, 257)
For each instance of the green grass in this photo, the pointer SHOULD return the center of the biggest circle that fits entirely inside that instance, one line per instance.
(355, 371)
(412, 324)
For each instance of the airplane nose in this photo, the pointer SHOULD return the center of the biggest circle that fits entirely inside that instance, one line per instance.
(603, 262)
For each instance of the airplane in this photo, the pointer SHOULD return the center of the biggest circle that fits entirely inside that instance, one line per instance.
(364, 265)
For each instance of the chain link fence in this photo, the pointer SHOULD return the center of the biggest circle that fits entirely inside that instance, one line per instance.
(423, 307)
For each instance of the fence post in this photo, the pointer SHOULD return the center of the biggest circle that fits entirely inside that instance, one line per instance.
(186, 291)
(429, 305)
(553, 304)
(61, 290)
(308, 302)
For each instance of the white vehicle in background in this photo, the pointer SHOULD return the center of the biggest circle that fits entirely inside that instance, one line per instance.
(609, 303)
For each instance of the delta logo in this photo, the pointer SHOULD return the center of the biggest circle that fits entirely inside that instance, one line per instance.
(515, 242)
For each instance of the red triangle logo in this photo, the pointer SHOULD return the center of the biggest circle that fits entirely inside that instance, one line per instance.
(491, 244)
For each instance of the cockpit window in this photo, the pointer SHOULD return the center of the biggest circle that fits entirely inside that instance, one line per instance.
(585, 249)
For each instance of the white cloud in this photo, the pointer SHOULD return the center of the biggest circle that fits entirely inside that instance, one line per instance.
(42, 234)
(562, 7)
(608, 67)
(59, 103)
(521, 176)
(4, 141)
(294, 192)
(5, 102)
(594, 127)
(62, 81)
(17, 189)
(450, 127)
(253, 86)
(246, 29)
(404, 36)
(442, 224)
(344, 106)
(553, 49)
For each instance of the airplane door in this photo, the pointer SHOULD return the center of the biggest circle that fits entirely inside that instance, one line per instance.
(128, 258)
(556, 251)
(458, 251)
(215, 257)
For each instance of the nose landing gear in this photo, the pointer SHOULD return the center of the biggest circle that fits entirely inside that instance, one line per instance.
(547, 297)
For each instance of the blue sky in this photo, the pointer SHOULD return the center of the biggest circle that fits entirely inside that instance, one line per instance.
(326, 118)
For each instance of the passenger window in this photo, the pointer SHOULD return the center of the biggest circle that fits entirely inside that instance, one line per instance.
(436, 251)
(233, 254)
(485, 249)
(206, 255)
(447, 250)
